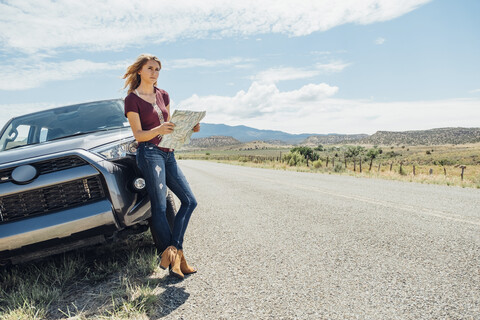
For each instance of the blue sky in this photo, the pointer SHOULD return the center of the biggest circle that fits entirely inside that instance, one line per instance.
(355, 66)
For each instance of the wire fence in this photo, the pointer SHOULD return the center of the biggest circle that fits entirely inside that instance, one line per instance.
(401, 167)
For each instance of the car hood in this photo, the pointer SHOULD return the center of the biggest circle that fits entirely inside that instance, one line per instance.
(86, 142)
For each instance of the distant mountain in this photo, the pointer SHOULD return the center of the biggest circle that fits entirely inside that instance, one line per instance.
(213, 141)
(425, 137)
(246, 134)
(418, 137)
(333, 139)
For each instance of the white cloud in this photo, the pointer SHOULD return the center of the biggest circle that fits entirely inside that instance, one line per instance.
(31, 26)
(200, 62)
(380, 41)
(22, 74)
(284, 73)
(26, 74)
(321, 53)
(336, 66)
(274, 75)
(474, 91)
(261, 100)
(313, 109)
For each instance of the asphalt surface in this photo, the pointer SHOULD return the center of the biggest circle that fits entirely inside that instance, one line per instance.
(286, 245)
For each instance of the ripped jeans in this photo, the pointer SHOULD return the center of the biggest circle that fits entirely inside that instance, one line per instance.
(160, 171)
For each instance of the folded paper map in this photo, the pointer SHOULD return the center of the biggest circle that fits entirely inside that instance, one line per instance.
(184, 121)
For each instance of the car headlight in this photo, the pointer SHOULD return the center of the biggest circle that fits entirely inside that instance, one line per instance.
(117, 150)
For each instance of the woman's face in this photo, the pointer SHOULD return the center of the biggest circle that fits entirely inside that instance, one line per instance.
(149, 72)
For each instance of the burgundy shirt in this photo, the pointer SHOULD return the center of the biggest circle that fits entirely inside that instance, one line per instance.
(148, 116)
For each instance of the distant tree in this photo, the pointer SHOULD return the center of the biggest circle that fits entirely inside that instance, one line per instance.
(353, 152)
(293, 158)
(393, 154)
(372, 154)
(319, 148)
(306, 152)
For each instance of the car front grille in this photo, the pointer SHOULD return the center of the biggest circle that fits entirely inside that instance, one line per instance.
(47, 166)
(48, 199)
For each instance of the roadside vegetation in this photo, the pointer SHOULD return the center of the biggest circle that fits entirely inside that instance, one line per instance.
(121, 280)
(453, 165)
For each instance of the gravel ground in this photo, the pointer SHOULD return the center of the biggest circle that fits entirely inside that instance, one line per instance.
(288, 245)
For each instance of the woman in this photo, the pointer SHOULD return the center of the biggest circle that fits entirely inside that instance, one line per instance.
(148, 111)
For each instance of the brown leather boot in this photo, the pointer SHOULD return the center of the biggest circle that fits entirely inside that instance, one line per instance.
(168, 257)
(186, 269)
(175, 269)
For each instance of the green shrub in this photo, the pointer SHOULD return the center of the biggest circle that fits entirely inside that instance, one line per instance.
(338, 167)
(293, 158)
(317, 164)
(306, 152)
(319, 148)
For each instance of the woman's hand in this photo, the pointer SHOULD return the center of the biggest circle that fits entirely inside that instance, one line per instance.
(166, 128)
(196, 128)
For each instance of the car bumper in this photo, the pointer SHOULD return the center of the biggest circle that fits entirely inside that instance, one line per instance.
(61, 224)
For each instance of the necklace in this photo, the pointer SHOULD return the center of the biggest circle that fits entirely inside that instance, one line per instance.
(149, 95)
(146, 94)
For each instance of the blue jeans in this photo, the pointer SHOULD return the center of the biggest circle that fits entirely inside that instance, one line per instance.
(160, 171)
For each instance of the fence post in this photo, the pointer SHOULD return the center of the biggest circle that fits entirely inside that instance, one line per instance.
(333, 162)
(354, 165)
(379, 166)
(326, 166)
(391, 165)
(413, 169)
(345, 163)
(463, 169)
(360, 165)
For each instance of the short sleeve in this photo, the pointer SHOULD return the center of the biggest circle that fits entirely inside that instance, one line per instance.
(166, 98)
(130, 105)
(164, 95)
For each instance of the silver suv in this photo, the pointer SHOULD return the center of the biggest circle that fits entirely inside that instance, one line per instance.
(68, 179)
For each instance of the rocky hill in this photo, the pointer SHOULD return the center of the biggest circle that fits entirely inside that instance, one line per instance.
(212, 142)
(425, 137)
(438, 136)
(333, 139)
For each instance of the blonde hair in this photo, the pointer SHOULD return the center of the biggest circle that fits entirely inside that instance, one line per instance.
(132, 77)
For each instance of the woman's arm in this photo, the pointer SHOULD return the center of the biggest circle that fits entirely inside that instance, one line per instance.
(146, 135)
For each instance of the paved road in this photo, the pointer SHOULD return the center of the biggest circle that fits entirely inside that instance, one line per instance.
(287, 245)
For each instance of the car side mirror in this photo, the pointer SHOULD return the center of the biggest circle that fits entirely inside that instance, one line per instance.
(13, 135)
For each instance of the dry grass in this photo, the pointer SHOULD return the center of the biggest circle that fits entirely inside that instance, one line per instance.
(116, 281)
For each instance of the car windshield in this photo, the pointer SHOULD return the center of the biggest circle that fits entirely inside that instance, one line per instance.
(63, 122)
